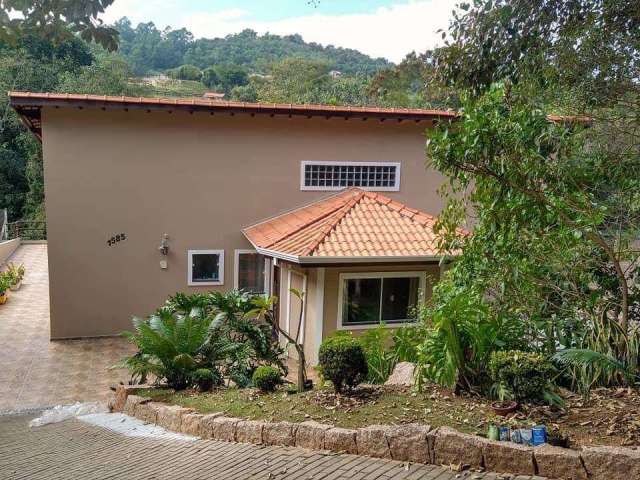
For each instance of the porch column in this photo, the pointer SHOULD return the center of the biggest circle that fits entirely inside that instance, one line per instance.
(315, 339)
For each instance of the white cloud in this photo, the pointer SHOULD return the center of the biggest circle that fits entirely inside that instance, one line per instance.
(389, 32)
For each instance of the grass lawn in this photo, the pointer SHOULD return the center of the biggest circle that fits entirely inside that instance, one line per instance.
(368, 406)
(610, 417)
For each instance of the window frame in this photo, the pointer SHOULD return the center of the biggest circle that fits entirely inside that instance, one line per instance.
(421, 274)
(304, 163)
(236, 269)
(191, 253)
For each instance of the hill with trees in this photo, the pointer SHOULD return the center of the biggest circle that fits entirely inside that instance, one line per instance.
(148, 49)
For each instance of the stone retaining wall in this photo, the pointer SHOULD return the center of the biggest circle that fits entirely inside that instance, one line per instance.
(414, 443)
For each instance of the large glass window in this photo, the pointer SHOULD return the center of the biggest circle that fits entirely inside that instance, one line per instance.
(206, 267)
(250, 271)
(370, 299)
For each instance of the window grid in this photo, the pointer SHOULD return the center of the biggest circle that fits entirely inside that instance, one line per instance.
(335, 176)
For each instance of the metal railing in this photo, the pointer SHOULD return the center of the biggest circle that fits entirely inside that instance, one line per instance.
(27, 230)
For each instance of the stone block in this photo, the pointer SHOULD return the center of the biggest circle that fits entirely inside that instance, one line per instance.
(310, 435)
(170, 417)
(403, 375)
(191, 424)
(340, 440)
(249, 431)
(611, 463)
(507, 457)
(279, 433)
(409, 443)
(206, 424)
(454, 448)
(224, 429)
(131, 403)
(560, 463)
(148, 411)
(372, 441)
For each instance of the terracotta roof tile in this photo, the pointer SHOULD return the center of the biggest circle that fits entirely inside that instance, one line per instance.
(353, 223)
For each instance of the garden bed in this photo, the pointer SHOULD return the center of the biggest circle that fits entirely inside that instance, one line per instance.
(611, 417)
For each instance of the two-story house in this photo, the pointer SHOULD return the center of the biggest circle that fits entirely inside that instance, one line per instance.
(146, 197)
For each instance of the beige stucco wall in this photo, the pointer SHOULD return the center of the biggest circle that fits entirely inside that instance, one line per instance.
(200, 179)
(7, 247)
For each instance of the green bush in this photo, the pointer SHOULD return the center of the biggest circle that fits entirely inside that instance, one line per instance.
(185, 72)
(523, 376)
(381, 359)
(210, 77)
(343, 361)
(267, 378)
(206, 378)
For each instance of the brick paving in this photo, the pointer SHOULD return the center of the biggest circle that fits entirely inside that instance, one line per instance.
(74, 449)
(37, 372)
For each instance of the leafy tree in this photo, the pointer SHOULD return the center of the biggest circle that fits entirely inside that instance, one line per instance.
(185, 72)
(230, 76)
(56, 21)
(210, 77)
(413, 83)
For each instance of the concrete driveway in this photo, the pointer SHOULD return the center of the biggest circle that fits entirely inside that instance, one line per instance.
(37, 372)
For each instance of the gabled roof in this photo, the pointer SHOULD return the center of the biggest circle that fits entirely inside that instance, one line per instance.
(352, 226)
(29, 104)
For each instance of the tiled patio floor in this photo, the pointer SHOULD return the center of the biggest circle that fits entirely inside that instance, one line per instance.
(36, 372)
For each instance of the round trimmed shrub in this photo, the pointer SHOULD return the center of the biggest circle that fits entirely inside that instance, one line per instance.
(206, 378)
(525, 374)
(343, 361)
(267, 378)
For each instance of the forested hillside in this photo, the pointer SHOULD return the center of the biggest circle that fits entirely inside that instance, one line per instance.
(148, 49)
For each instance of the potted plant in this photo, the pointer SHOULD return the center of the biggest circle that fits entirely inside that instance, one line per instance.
(16, 274)
(5, 284)
(505, 404)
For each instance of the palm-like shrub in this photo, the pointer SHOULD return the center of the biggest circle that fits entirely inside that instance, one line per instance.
(173, 346)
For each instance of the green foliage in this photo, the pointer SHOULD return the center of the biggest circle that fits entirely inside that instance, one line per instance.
(523, 376)
(206, 378)
(173, 346)
(213, 331)
(210, 77)
(15, 273)
(185, 72)
(267, 378)
(5, 282)
(343, 361)
(380, 358)
(56, 21)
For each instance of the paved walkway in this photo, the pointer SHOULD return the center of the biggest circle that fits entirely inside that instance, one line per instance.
(74, 449)
(37, 372)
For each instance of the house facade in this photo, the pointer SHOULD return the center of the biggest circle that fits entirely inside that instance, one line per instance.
(147, 197)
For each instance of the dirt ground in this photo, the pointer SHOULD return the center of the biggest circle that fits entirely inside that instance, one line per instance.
(609, 417)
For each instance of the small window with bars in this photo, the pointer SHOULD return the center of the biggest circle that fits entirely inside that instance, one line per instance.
(381, 176)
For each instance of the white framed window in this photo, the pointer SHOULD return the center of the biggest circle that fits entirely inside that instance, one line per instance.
(367, 299)
(205, 267)
(379, 176)
(252, 271)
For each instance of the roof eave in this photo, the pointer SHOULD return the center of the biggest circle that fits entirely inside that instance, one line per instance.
(337, 260)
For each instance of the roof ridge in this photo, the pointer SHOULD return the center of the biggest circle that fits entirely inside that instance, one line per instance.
(310, 222)
(403, 209)
(322, 234)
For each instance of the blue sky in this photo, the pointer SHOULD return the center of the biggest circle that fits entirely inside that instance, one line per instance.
(380, 28)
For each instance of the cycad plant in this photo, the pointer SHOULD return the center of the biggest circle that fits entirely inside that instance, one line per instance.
(173, 346)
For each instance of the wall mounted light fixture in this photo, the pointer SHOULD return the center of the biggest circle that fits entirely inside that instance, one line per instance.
(164, 245)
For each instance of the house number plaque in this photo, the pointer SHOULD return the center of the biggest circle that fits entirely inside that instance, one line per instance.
(116, 239)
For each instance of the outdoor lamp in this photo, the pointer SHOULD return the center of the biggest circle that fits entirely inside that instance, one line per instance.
(164, 244)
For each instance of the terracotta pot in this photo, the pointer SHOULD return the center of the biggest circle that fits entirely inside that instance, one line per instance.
(504, 408)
